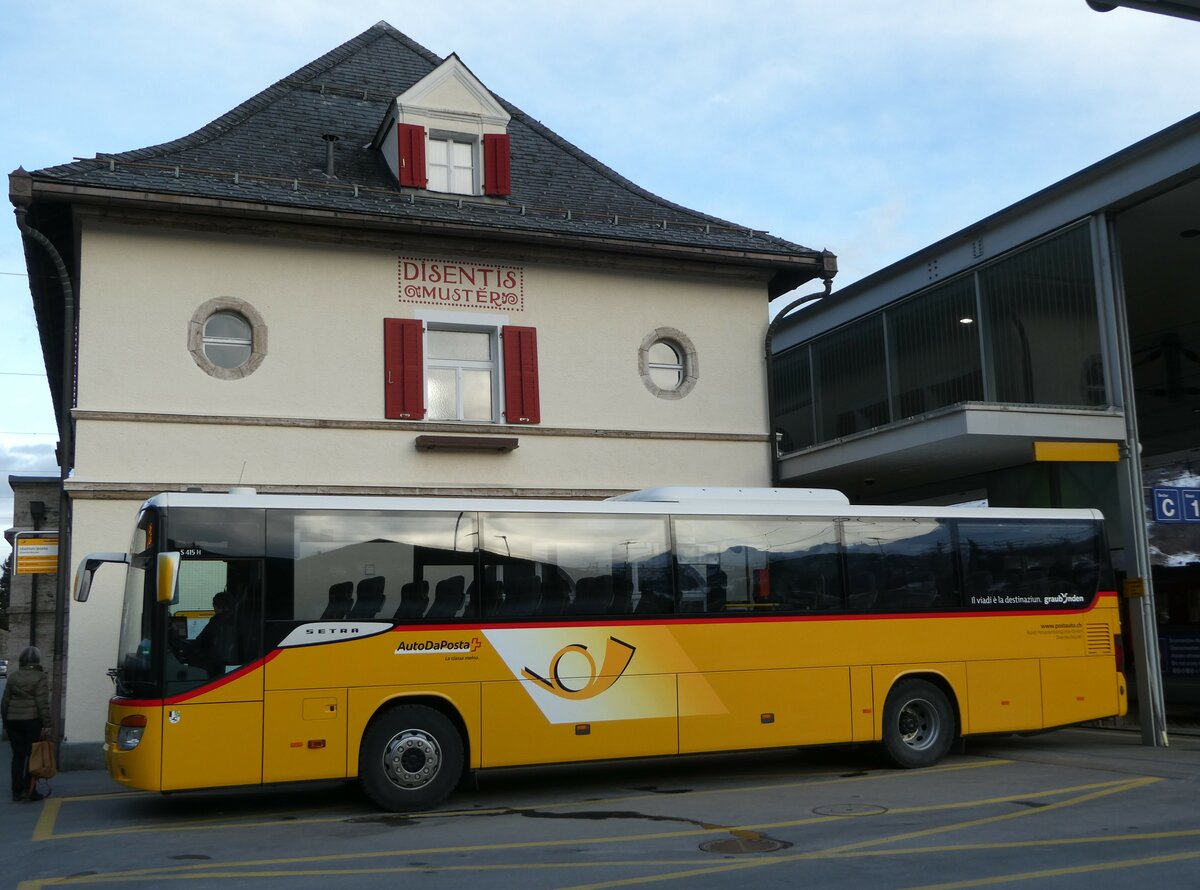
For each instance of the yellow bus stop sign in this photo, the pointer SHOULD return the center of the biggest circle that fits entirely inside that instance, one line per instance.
(37, 553)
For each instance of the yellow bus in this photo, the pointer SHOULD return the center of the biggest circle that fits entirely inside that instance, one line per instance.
(405, 641)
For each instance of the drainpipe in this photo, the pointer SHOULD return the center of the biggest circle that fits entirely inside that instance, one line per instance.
(830, 269)
(37, 512)
(20, 193)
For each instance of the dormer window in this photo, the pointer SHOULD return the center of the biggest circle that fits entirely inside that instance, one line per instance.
(450, 165)
(448, 134)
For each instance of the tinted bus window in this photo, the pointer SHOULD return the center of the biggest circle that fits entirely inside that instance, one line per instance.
(749, 566)
(363, 566)
(900, 565)
(568, 564)
(1024, 564)
(204, 531)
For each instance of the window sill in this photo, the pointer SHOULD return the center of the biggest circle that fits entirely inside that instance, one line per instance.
(499, 444)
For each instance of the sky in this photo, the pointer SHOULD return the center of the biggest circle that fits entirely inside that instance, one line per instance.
(871, 128)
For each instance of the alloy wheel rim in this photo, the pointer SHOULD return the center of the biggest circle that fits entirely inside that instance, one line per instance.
(412, 758)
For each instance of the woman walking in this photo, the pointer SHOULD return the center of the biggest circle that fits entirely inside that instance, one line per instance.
(25, 709)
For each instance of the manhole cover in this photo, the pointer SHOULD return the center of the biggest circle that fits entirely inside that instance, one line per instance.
(744, 845)
(850, 809)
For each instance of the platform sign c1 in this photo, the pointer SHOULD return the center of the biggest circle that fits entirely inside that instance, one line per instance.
(1176, 504)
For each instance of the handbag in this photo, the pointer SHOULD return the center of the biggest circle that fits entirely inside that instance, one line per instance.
(42, 764)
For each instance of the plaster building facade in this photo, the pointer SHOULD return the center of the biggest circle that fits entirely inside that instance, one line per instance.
(377, 277)
(1048, 355)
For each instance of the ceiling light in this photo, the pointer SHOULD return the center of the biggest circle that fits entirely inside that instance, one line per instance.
(966, 319)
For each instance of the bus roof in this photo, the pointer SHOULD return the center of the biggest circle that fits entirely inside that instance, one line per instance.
(701, 501)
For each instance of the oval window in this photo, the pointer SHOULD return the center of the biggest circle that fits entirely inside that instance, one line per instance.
(666, 367)
(668, 364)
(227, 340)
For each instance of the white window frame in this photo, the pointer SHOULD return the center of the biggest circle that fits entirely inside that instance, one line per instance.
(450, 138)
(495, 366)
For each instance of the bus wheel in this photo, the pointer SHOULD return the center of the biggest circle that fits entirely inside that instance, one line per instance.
(411, 758)
(918, 724)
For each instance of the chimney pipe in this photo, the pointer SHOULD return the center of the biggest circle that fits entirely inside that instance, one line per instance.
(329, 140)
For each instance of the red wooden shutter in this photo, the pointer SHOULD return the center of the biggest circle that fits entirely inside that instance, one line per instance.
(403, 365)
(497, 175)
(521, 401)
(410, 143)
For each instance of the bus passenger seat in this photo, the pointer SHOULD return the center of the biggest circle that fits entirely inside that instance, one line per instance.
(370, 598)
(554, 597)
(622, 603)
(593, 596)
(493, 598)
(654, 602)
(523, 596)
(448, 597)
(414, 597)
(718, 593)
(341, 598)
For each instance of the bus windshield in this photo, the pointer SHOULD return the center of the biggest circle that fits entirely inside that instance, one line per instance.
(133, 673)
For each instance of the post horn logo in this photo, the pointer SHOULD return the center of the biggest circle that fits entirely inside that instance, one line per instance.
(617, 656)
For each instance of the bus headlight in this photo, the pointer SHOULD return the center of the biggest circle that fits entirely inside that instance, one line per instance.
(129, 734)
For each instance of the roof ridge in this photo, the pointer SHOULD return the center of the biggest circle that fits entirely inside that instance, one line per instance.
(245, 110)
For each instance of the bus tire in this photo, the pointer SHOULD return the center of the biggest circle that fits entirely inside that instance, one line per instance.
(918, 724)
(411, 758)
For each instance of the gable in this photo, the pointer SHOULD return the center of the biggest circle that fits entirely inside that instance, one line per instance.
(451, 92)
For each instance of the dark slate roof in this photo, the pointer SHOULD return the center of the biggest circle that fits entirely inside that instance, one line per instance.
(269, 150)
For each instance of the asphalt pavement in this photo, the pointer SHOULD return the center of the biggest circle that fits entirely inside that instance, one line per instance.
(1073, 808)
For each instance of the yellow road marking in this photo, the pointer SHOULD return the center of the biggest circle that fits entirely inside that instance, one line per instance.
(644, 863)
(44, 828)
(1017, 845)
(1067, 870)
(1097, 789)
(217, 871)
(1105, 789)
(44, 831)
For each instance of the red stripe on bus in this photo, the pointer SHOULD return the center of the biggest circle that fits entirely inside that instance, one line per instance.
(198, 691)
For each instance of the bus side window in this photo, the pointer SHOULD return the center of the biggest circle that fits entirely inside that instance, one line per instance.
(909, 563)
(549, 565)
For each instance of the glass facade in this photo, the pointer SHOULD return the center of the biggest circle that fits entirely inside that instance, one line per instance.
(934, 348)
(1042, 327)
(850, 370)
(1024, 330)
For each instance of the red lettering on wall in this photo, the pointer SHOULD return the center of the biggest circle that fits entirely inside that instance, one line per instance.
(449, 283)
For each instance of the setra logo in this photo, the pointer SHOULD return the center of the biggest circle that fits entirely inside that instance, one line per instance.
(617, 656)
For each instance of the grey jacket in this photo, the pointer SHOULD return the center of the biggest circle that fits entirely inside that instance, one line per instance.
(27, 696)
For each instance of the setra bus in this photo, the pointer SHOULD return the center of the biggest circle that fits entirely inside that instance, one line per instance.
(404, 641)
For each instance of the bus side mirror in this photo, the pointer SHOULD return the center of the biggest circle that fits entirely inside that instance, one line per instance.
(87, 568)
(168, 576)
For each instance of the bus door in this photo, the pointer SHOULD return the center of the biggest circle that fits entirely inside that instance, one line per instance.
(213, 701)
